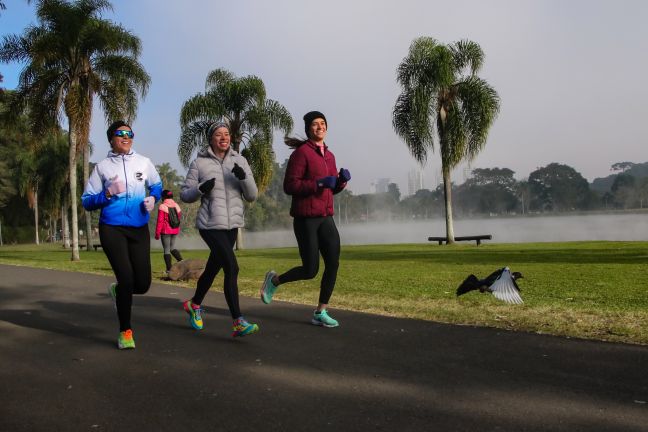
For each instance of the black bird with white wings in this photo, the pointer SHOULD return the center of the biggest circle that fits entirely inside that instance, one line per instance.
(501, 283)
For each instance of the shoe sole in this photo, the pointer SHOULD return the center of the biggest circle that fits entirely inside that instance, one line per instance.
(268, 277)
(321, 324)
(191, 320)
(122, 347)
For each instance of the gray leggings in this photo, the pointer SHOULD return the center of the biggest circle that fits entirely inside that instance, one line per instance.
(168, 242)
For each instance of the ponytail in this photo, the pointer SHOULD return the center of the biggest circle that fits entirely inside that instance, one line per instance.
(293, 142)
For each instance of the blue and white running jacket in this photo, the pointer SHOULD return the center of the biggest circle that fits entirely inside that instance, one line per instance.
(127, 208)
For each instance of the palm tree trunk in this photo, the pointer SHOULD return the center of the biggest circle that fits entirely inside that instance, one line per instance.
(36, 212)
(65, 224)
(86, 175)
(447, 194)
(239, 239)
(72, 160)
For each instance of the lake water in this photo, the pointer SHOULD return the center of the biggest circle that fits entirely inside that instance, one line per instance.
(616, 226)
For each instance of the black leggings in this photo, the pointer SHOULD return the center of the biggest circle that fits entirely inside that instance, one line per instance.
(128, 251)
(314, 236)
(221, 256)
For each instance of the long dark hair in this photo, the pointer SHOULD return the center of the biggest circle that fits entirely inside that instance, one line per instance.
(294, 142)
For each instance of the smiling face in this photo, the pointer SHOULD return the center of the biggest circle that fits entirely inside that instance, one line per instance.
(120, 142)
(220, 141)
(317, 130)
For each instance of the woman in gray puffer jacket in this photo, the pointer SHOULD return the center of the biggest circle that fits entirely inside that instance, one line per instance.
(221, 178)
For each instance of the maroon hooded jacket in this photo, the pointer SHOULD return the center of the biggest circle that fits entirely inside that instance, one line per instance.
(305, 166)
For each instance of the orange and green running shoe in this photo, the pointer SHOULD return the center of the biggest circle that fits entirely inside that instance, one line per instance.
(125, 340)
(242, 328)
(195, 314)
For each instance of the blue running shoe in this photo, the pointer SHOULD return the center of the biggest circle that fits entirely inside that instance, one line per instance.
(195, 314)
(268, 288)
(112, 292)
(323, 319)
(242, 328)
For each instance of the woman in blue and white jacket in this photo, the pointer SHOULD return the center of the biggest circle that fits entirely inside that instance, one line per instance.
(125, 186)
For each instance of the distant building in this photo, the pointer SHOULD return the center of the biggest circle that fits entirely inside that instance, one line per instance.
(380, 185)
(415, 181)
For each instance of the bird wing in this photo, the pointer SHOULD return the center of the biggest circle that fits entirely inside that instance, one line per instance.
(504, 289)
(471, 283)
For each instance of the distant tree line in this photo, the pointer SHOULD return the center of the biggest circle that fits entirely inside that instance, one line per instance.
(555, 188)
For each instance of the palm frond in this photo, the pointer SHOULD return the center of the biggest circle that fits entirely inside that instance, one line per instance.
(218, 77)
(467, 54)
(280, 118)
(480, 106)
(192, 138)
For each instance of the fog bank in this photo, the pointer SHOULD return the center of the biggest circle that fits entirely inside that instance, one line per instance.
(611, 227)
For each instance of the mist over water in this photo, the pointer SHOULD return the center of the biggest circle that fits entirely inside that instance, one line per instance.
(612, 227)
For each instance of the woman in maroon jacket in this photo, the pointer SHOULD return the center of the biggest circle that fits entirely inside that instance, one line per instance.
(312, 179)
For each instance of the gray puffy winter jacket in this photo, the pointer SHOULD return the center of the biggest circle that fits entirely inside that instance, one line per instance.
(222, 207)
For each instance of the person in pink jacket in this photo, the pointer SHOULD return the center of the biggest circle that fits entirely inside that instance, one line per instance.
(165, 229)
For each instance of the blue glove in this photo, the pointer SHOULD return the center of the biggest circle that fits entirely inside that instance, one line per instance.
(327, 182)
(344, 175)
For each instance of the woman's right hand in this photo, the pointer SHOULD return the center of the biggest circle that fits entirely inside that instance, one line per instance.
(207, 186)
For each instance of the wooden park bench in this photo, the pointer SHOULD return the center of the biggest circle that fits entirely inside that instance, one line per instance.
(476, 238)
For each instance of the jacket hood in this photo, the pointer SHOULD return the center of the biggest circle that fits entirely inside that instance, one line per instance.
(209, 153)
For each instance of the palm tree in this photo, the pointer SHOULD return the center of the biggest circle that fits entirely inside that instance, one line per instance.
(443, 100)
(252, 118)
(170, 177)
(72, 57)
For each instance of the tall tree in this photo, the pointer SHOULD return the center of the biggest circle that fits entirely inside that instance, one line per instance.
(73, 56)
(558, 187)
(170, 177)
(252, 118)
(444, 101)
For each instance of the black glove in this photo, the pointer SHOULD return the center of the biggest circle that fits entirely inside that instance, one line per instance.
(207, 186)
(238, 172)
(327, 182)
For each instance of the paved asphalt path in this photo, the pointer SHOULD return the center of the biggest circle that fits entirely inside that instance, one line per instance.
(61, 371)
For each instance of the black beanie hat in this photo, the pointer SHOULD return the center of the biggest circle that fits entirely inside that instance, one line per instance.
(113, 127)
(309, 117)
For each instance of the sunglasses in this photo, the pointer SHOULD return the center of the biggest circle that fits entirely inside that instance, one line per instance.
(124, 134)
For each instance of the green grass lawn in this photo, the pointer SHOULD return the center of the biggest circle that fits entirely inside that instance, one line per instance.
(596, 290)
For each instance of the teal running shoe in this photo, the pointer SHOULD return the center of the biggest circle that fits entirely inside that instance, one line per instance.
(268, 288)
(323, 319)
(112, 292)
(195, 314)
(243, 328)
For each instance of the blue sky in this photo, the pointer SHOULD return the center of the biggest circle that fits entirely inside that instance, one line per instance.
(570, 74)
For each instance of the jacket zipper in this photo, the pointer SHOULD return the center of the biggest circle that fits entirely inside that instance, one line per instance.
(126, 181)
(327, 173)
